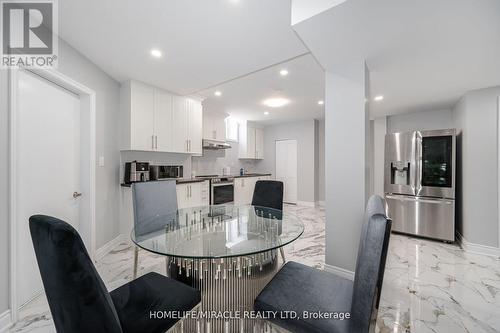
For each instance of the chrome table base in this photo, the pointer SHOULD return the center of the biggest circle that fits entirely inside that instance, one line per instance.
(228, 288)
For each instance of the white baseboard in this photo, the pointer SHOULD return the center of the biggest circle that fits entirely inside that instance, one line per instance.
(5, 321)
(340, 271)
(305, 203)
(477, 248)
(109, 246)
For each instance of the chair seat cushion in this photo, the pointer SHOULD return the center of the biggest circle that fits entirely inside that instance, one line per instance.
(300, 288)
(152, 292)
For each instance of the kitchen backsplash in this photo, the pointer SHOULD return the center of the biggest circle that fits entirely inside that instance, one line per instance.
(213, 161)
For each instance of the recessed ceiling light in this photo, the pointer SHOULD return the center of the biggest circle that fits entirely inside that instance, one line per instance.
(283, 72)
(156, 53)
(378, 98)
(217, 93)
(276, 102)
(321, 102)
(266, 113)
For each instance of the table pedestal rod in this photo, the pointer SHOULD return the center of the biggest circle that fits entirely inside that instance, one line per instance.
(227, 286)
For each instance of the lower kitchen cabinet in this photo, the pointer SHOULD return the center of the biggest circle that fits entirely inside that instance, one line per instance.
(244, 187)
(192, 195)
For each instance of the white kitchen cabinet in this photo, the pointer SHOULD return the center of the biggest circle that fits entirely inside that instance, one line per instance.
(259, 143)
(192, 195)
(187, 122)
(155, 120)
(251, 142)
(181, 124)
(244, 188)
(214, 126)
(163, 121)
(195, 124)
(141, 116)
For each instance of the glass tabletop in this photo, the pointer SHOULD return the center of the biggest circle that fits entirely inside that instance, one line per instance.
(217, 231)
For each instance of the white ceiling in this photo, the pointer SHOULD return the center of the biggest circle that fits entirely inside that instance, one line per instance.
(421, 54)
(203, 42)
(242, 98)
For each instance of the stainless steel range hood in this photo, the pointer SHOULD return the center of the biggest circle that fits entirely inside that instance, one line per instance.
(215, 145)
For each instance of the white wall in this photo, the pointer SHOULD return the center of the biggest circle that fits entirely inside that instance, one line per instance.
(4, 193)
(379, 131)
(321, 159)
(345, 122)
(79, 68)
(422, 120)
(303, 132)
(476, 115)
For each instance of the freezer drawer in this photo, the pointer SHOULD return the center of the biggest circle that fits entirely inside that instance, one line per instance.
(428, 217)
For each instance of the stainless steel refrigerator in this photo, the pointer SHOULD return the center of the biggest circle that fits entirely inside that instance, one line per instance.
(419, 182)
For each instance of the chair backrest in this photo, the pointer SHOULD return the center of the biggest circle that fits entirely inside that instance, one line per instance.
(268, 193)
(370, 266)
(155, 204)
(78, 299)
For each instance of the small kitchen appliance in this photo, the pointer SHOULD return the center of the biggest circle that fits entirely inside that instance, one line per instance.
(160, 172)
(136, 172)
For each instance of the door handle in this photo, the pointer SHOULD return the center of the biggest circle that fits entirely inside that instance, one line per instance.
(76, 194)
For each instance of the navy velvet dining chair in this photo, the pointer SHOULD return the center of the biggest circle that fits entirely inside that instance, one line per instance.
(300, 288)
(155, 204)
(78, 299)
(269, 194)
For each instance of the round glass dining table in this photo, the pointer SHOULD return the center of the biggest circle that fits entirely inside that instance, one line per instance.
(228, 252)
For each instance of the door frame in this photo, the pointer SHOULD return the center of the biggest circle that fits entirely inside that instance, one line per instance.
(296, 167)
(87, 105)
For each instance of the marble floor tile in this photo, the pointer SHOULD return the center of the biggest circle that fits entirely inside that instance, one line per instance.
(428, 286)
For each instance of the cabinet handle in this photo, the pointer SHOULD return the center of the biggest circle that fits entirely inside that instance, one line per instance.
(214, 134)
(187, 145)
(156, 141)
(152, 142)
(190, 191)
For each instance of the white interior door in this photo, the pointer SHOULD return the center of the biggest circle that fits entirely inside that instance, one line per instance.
(48, 167)
(286, 168)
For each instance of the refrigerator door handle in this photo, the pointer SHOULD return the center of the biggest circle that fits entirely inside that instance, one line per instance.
(419, 199)
(418, 162)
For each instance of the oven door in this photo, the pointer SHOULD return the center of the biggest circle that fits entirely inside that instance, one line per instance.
(222, 193)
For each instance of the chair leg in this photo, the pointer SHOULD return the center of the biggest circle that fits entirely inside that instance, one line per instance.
(136, 259)
(283, 254)
(167, 266)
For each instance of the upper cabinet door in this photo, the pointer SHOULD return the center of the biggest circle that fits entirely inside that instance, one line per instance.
(208, 126)
(250, 142)
(259, 143)
(163, 121)
(141, 117)
(220, 127)
(180, 124)
(195, 127)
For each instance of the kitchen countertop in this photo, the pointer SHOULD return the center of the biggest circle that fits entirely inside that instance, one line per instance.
(199, 180)
(178, 181)
(252, 175)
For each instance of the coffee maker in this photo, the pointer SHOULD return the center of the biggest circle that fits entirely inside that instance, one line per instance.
(136, 172)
